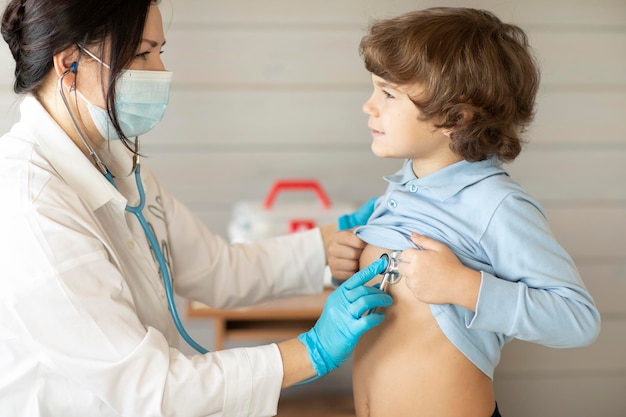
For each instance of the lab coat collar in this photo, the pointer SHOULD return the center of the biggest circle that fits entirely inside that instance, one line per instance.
(448, 181)
(65, 157)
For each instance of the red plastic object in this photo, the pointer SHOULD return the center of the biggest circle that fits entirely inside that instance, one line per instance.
(299, 185)
(299, 225)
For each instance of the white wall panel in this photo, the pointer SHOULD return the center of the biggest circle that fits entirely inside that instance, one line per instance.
(277, 56)
(265, 56)
(572, 174)
(315, 118)
(571, 117)
(594, 232)
(355, 12)
(563, 395)
(605, 355)
(581, 59)
(606, 282)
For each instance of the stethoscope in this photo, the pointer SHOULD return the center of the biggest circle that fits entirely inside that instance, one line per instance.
(391, 275)
(137, 211)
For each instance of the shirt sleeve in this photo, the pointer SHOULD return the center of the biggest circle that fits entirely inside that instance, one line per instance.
(209, 269)
(535, 292)
(74, 312)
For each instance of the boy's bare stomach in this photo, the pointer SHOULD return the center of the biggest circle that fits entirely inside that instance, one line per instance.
(407, 366)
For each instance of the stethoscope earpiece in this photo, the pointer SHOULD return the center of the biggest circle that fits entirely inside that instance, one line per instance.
(74, 67)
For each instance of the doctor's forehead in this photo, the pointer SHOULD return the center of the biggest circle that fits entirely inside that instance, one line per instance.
(153, 29)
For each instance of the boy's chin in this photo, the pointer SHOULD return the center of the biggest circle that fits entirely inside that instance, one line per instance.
(382, 153)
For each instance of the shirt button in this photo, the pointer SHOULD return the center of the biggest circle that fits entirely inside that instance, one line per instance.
(162, 294)
(413, 188)
(392, 204)
(131, 244)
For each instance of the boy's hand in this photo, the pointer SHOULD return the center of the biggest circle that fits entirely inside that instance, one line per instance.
(436, 276)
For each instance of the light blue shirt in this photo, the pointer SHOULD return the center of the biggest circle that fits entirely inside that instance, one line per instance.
(530, 290)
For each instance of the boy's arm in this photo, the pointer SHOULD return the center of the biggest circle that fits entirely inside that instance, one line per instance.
(536, 293)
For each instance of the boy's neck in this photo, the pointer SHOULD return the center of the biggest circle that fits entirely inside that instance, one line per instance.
(422, 168)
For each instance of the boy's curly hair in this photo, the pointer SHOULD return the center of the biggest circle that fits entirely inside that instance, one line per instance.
(479, 75)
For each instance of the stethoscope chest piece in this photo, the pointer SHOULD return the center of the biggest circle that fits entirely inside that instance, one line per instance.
(391, 274)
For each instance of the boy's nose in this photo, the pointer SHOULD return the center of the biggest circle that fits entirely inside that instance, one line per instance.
(369, 109)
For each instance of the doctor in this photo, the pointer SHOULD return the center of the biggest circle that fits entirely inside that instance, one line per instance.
(89, 243)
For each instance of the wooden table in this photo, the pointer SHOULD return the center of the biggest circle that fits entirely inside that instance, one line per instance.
(271, 321)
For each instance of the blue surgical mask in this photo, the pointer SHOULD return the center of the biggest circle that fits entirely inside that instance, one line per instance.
(141, 100)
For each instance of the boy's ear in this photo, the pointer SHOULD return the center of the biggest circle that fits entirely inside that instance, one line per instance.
(464, 117)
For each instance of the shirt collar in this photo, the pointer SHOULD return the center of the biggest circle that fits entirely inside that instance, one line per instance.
(65, 157)
(447, 181)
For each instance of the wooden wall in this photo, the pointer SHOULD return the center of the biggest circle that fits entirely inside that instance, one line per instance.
(273, 89)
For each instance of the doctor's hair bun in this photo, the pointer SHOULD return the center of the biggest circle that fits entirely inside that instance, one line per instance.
(26, 42)
(12, 23)
(34, 31)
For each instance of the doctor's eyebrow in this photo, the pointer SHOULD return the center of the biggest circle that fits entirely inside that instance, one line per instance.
(152, 43)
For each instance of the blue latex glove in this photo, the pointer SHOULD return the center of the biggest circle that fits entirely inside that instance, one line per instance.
(333, 338)
(358, 218)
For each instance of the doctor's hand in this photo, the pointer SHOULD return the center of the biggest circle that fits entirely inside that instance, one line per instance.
(358, 218)
(333, 338)
(436, 276)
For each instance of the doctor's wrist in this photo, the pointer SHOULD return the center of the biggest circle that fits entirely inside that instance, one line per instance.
(297, 365)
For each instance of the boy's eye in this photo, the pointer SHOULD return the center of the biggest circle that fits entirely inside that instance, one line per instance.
(387, 95)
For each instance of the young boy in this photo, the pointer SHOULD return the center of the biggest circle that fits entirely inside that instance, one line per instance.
(454, 89)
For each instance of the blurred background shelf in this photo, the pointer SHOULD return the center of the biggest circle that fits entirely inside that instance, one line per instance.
(273, 321)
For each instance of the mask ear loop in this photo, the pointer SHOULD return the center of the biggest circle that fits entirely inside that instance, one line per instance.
(104, 64)
(73, 69)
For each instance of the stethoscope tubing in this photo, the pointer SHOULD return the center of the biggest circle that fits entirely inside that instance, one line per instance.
(158, 253)
(137, 211)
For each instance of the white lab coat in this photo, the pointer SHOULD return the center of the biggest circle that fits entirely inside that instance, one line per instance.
(84, 324)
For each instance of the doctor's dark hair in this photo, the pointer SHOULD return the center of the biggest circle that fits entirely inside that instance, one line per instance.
(479, 76)
(36, 30)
